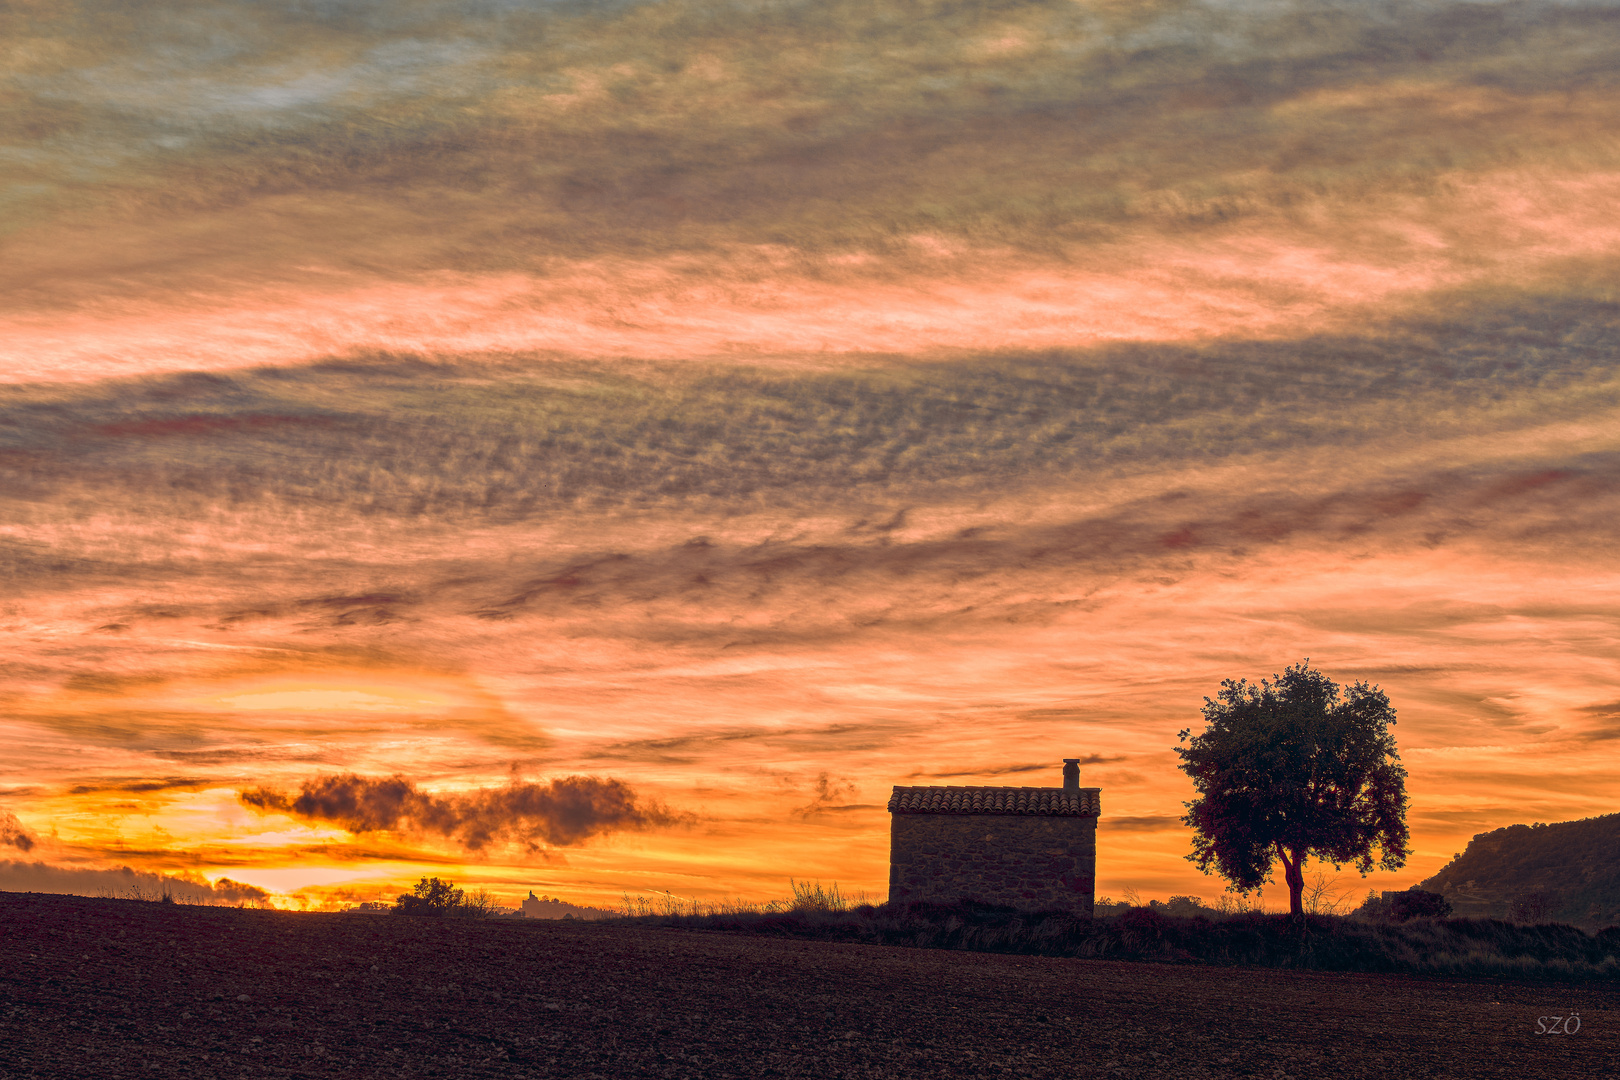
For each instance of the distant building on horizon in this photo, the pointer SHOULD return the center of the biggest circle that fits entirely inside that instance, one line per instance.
(549, 907)
(1024, 847)
(535, 907)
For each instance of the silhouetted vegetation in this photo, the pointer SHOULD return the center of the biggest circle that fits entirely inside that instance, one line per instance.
(1533, 907)
(438, 898)
(156, 890)
(1400, 907)
(1292, 769)
(1313, 942)
(809, 898)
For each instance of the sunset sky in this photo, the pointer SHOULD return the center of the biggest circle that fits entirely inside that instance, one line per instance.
(602, 447)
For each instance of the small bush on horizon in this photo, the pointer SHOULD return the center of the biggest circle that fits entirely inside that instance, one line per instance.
(1533, 907)
(808, 896)
(435, 897)
(479, 904)
(1414, 903)
(148, 894)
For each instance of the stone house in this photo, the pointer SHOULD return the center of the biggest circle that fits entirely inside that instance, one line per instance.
(1025, 847)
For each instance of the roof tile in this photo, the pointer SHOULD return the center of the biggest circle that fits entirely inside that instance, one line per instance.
(1049, 802)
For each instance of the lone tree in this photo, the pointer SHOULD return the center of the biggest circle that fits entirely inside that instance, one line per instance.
(432, 896)
(1290, 769)
(435, 896)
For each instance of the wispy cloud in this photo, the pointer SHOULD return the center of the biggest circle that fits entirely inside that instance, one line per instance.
(831, 793)
(141, 786)
(1140, 823)
(1604, 721)
(990, 770)
(775, 402)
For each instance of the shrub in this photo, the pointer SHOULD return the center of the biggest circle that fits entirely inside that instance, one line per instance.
(1417, 903)
(815, 897)
(1533, 907)
(478, 904)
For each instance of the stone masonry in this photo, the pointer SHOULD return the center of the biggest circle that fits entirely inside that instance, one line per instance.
(1032, 848)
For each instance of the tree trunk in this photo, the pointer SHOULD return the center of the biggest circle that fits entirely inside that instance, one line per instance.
(1294, 875)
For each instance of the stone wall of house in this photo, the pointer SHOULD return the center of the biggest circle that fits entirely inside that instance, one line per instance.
(1037, 862)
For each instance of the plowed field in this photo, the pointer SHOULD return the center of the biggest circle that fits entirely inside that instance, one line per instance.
(118, 988)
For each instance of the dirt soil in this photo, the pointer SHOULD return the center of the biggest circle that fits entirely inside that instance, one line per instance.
(121, 988)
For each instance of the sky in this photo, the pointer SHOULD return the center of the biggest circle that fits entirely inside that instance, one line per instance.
(601, 448)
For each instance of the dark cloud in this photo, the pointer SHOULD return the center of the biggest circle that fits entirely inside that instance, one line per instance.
(125, 882)
(226, 889)
(12, 833)
(564, 812)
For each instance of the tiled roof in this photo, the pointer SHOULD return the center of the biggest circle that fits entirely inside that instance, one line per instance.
(1053, 802)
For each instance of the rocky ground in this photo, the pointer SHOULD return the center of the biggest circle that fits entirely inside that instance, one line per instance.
(121, 988)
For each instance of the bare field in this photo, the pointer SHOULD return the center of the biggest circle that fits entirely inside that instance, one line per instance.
(118, 988)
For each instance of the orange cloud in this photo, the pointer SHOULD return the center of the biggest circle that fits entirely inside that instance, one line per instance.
(1259, 278)
(498, 538)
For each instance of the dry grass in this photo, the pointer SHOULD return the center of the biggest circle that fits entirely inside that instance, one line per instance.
(809, 898)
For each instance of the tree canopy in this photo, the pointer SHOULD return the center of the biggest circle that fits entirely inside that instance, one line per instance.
(1294, 768)
(431, 896)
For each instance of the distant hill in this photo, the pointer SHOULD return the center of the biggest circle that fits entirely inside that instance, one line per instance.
(1569, 870)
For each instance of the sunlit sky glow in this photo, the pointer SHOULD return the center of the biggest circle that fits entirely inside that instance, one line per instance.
(602, 448)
